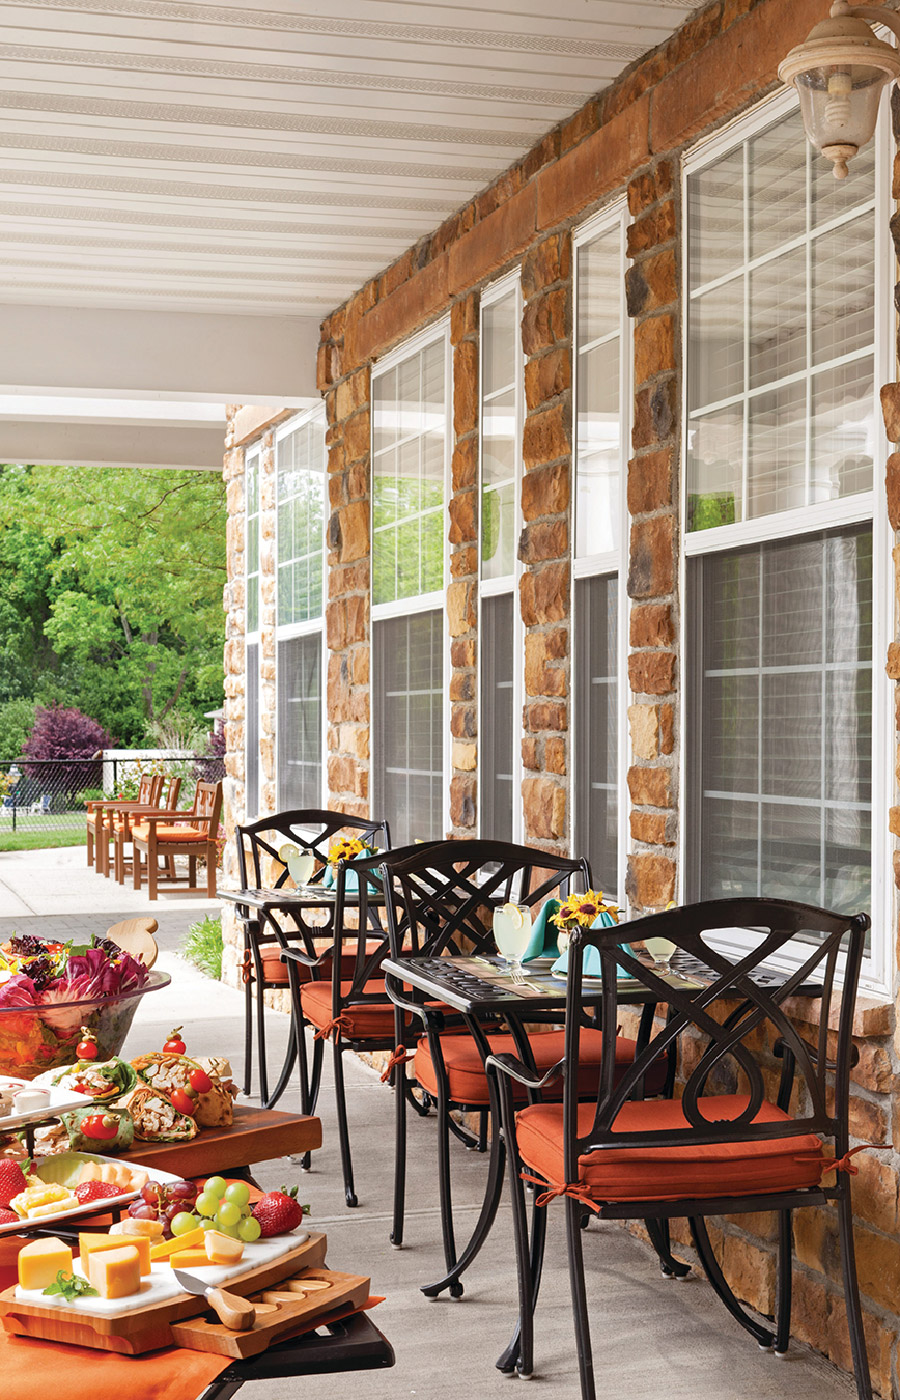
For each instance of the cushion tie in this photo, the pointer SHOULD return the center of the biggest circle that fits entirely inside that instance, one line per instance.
(336, 1024)
(399, 1056)
(247, 967)
(844, 1164)
(577, 1190)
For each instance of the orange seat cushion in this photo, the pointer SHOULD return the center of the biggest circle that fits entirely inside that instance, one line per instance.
(672, 1173)
(170, 833)
(468, 1080)
(368, 1021)
(275, 971)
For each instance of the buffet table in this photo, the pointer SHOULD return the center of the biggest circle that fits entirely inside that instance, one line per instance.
(257, 1135)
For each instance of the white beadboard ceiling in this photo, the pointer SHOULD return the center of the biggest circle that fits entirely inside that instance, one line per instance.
(265, 159)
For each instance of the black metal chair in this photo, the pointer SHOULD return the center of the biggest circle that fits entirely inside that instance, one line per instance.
(264, 938)
(343, 998)
(736, 1150)
(447, 898)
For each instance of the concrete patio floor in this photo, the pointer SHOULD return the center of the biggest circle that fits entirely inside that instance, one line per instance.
(650, 1336)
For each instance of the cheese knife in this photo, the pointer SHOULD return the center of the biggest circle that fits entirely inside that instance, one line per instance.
(238, 1314)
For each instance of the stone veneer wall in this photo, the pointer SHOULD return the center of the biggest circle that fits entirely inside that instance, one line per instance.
(627, 141)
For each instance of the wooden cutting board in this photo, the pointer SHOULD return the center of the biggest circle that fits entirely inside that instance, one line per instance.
(145, 1329)
(279, 1312)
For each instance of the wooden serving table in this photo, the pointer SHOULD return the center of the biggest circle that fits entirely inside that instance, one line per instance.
(257, 1135)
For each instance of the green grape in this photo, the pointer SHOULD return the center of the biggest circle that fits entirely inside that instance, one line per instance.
(183, 1222)
(238, 1192)
(228, 1213)
(206, 1203)
(208, 1224)
(216, 1186)
(249, 1229)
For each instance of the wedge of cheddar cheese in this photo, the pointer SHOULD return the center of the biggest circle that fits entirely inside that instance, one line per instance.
(115, 1273)
(40, 1262)
(89, 1244)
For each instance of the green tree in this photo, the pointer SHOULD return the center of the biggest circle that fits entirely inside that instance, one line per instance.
(112, 598)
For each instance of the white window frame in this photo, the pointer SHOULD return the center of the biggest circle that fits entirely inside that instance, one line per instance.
(436, 600)
(285, 632)
(509, 583)
(252, 457)
(610, 561)
(870, 506)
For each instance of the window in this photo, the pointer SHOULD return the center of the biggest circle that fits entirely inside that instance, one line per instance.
(251, 658)
(501, 632)
(410, 393)
(786, 600)
(300, 494)
(600, 604)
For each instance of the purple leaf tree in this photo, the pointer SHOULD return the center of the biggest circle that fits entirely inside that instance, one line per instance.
(62, 733)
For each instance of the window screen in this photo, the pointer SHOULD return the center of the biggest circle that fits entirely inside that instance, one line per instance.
(301, 514)
(782, 720)
(251, 486)
(251, 732)
(409, 686)
(498, 728)
(300, 722)
(596, 785)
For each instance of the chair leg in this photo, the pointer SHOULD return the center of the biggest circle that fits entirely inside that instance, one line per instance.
(284, 1077)
(135, 866)
(315, 1081)
(401, 1092)
(192, 872)
(851, 1296)
(248, 1036)
(492, 1194)
(261, 1033)
(658, 1230)
(764, 1337)
(211, 872)
(343, 1127)
(511, 1356)
(90, 844)
(784, 1284)
(152, 873)
(579, 1299)
(445, 1189)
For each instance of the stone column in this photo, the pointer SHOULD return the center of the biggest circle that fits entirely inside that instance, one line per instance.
(652, 292)
(544, 544)
(462, 591)
(268, 800)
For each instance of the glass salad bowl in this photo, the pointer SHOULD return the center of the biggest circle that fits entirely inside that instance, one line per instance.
(44, 1036)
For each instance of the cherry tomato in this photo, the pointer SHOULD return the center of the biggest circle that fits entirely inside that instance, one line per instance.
(80, 1088)
(174, 1045)
(182, 1102)
(86, 1050)
(200, 1081)
(100, 1126)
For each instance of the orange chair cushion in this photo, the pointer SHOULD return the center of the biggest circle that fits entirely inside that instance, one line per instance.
(170, 833)
(372, 1021)
(468, 1080)
(672, 1173)
(275, 971)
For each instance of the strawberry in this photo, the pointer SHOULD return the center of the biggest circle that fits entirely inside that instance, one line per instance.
(8, 1217)
(12, 1181)
(97, 1191)
(279, 1211)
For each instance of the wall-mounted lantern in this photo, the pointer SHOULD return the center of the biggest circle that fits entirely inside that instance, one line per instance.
(839, 71)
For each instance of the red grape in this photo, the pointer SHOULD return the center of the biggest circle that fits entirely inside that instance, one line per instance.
(182, 1191)
(141, 1211)
(174, 1209)
(150, 1192)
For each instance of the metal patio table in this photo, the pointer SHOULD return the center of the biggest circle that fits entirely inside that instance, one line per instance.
(481, 988)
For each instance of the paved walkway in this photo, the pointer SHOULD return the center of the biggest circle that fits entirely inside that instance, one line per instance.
(651, 1337)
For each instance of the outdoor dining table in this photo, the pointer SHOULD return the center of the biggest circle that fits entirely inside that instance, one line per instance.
(481, 988)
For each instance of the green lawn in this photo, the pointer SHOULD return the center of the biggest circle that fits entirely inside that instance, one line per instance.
(41, 840)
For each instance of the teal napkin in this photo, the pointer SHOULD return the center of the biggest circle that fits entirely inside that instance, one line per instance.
(351, 879)
(544, 933)
(591, 965)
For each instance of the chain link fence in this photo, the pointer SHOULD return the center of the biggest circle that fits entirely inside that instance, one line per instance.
(50, 796)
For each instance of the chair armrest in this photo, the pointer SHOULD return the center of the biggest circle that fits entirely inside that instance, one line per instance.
(513, 1068)
(781, 1048)
(294, 954)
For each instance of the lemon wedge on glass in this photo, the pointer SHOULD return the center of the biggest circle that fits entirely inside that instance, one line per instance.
(514, 914)
(286, 851)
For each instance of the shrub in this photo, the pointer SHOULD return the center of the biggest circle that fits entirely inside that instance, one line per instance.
(203, 946)
(61, 733)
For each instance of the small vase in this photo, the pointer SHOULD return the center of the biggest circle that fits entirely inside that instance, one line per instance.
(562, 941)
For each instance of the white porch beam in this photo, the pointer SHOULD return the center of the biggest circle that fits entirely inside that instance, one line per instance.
(88, 444)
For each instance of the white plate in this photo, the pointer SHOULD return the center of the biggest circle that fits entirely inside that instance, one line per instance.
(61, 1101)
(539, 962)
(93, 1207)
(161, 1283)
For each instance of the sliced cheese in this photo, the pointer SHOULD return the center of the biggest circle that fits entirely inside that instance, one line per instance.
(92, 1244)
(188, 1258)
(131, 1225)
(222, 1249)
(41, 1261)
(115, 1273)
(167, 1247)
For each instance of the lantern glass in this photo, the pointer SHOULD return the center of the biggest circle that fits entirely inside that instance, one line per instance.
(839, 103)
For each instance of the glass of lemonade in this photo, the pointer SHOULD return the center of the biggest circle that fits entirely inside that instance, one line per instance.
(300, 864)
(512, 932)
(661, 950)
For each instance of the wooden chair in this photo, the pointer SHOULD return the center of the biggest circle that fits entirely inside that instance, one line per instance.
(135, 936)
(122, 823)
(724, 1147)
(99, 830)
(265, 938)
(193, 834)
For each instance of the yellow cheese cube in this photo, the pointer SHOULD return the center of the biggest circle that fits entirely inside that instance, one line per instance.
(188, 1259)
(89, 1244)
(222, 1249)
(167, 1247)
(115, 1273)
(41, 1261)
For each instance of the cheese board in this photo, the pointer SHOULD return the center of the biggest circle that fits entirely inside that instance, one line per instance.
(135, 1329)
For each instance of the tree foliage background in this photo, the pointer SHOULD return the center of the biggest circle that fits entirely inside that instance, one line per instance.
(111, 595)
